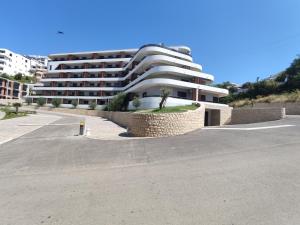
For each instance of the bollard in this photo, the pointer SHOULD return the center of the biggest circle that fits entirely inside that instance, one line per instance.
(81, 128)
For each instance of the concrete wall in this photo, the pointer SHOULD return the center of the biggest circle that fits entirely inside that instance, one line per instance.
(255, 115)
(121, 118)
(166, 124)
(291, 108)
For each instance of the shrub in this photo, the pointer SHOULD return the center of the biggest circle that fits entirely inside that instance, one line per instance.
(74, 103)
(17, 105)
(41, 101)
(5, 75)
(92, 105)
(18, 76)
(118, 103)
(136, 102)
(56, 102)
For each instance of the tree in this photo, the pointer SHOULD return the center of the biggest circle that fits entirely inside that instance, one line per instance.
(18, 76)
(74, 103)
(164, 95)
(136, 102)
(41, 101)
(5, 75)
(56, 102)
(92, 105)
(17, 105)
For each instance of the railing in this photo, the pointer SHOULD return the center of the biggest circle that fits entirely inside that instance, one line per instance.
(161, 46)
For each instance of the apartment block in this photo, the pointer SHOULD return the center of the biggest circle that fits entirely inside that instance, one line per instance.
(12, 89)
(12, 63)
(100, 75)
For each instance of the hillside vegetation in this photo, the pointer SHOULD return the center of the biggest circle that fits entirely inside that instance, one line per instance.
(282, 88)
(285, 97)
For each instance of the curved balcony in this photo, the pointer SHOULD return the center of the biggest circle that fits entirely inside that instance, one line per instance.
(77, 88)
(177, 84)
(155, 71)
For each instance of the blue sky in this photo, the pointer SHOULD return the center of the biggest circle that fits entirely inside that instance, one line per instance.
(234, 40)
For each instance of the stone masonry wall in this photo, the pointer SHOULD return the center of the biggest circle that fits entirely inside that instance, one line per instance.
(121, 118)
(255, 115)
(166, 124)
(291, 108)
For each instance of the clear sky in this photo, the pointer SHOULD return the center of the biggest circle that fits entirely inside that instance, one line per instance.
(235, 40)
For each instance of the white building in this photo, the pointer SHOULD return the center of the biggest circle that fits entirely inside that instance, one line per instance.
(100, 75)
(12, 63)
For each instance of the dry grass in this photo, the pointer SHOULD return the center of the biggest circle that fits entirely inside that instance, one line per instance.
(286, 97)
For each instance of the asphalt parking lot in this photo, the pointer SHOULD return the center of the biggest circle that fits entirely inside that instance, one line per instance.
(210, 176)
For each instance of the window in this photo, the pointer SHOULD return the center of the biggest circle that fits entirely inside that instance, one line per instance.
(181, 94)
(203, 98)
(2, 51)
(215, 99)
(144, 94)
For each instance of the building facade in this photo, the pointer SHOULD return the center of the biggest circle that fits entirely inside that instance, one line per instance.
(12, 63)
(10, 89)
(100, 75)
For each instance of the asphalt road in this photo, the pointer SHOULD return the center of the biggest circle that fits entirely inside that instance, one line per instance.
(207, 177)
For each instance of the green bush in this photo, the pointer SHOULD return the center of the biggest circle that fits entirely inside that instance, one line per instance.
(74, 103)
(18, 76)
(56, 102)
(118, 103)
(92, 105)
(136, 102)
(41, 102)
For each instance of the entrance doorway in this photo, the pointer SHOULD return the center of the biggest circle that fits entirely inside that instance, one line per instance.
(206, 118)
(212, 117)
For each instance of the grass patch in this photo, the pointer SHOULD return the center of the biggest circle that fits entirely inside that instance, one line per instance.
(10, 114)
(175, 109)
(285, 97)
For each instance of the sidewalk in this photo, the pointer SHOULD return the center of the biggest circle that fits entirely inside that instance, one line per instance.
(98, 127)
(103, 129)
(12, 128)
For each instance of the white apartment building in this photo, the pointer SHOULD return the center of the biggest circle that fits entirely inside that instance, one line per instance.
(12, 63)
(100, 75)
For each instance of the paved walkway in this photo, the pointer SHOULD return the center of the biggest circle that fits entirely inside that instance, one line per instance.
(98, 127)
(13, 128)
(103, 129)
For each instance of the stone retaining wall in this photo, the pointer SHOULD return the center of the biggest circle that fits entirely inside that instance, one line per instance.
(121, 118)
(166, 124)
(291, 108)
(255, 115)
